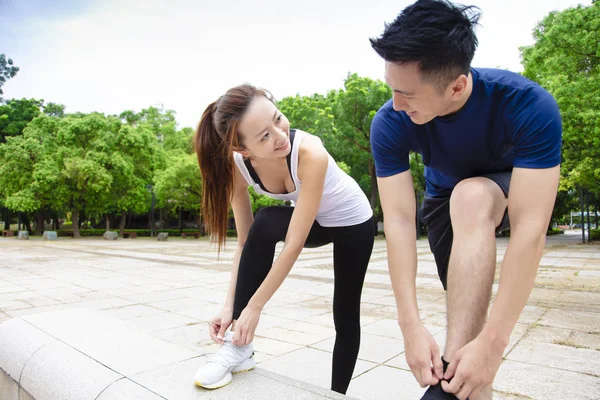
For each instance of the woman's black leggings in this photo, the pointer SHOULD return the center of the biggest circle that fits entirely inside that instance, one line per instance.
(352, 246)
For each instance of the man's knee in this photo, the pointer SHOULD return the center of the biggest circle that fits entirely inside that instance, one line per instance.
(477, 202)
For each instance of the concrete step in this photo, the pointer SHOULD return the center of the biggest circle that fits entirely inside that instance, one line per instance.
(82, 354)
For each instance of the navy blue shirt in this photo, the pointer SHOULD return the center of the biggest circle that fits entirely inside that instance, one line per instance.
(508, 121)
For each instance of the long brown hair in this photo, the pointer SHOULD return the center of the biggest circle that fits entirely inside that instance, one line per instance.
(215, 140)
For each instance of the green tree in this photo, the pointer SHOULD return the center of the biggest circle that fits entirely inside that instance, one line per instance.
(16, 114)
(565, 59)
(7, 70)
(28, 171)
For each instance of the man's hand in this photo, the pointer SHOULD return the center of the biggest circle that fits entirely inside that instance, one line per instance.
(473, 367)
(219, 324)
(421, 353)
(246, 325)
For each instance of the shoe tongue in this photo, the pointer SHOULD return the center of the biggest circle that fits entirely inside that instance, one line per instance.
(229, 335)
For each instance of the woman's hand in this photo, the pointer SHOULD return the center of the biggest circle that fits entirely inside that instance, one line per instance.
(219, 324)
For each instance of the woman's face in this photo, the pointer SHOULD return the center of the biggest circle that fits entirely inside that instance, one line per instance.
(264, 130)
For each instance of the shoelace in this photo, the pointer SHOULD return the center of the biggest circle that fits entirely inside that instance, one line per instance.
(227, 354)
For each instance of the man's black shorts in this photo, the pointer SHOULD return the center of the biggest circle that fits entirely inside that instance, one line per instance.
(435, 214)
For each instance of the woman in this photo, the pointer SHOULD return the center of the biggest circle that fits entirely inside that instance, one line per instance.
(243, 140)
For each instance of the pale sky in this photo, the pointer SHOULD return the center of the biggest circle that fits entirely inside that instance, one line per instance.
(115, 55)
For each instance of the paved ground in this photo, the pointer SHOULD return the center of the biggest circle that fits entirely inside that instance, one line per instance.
(169, 289)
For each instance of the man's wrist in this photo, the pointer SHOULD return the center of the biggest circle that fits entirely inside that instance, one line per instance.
(495, 337)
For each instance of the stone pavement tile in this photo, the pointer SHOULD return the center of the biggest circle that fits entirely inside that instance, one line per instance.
(298, 285)
(310, 365)
(578, 320)
(547, 334)
(192, 337)
(72, 376)
(517, 334)
(260, 357)
(438, 319)
(132, 311)
(584, 339)
(294, 311)
(268, 321)
(531, 314)
(373, 348)
(561, 357)
(273, 347)
(162, 321)
(102, 304)
(384, 300)
(384, 327)
(289, 297)
(9, 389)
(11, 288)
(67, 290)
(152, 297)
(385, 382)
(322, 319)
(41, 301)
(201, 311)
(305, 327)
(44, 283)
(13, 305)
(38, 310)
(538, 382)
(125, 389)
(295, 337)
(19, 340)
(24, 295)
(4, 317)
(178, 304)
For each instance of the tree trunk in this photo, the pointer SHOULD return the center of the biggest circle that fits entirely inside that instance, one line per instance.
(160, 218)
(75, 220)
(180, 222)
(41, 220)
(122, 224)
(7, 218)
(27, 224)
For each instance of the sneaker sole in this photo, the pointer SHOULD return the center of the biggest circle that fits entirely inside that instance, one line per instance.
(245, 366)
(223, 382)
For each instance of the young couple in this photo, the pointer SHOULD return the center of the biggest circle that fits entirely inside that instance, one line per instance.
(479, 131)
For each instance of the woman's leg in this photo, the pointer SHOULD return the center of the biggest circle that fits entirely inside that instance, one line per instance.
(269, 227)
(352, 247)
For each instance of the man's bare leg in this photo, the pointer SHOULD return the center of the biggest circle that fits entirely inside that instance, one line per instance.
(477, 206)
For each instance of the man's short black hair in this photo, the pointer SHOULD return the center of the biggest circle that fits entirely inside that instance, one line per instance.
(436, 34)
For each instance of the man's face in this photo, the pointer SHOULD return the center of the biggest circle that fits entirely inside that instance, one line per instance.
(420, 101)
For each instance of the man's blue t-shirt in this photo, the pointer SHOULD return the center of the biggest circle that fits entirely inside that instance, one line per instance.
(508, 121)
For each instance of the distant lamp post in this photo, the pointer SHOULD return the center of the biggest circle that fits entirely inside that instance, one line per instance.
(151, 190)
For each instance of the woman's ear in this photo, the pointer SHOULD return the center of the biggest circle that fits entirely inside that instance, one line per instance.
(245, 153)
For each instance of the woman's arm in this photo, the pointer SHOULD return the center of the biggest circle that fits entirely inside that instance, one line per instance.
(312, 168)
(242, 213)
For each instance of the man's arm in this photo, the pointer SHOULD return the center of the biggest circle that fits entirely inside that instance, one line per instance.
(399, 208)
(398, 203)
(530, 203)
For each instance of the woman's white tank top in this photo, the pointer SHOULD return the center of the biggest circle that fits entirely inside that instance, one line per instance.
(343, 202)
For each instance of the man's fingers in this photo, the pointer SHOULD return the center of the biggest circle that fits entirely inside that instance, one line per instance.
(426, 376)
(464, 392)
(454, 386)
(438, 366)
(451, 370)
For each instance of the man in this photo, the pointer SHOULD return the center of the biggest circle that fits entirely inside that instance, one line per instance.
(479, 131)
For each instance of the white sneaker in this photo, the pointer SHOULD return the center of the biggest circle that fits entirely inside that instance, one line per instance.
(219, 366)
